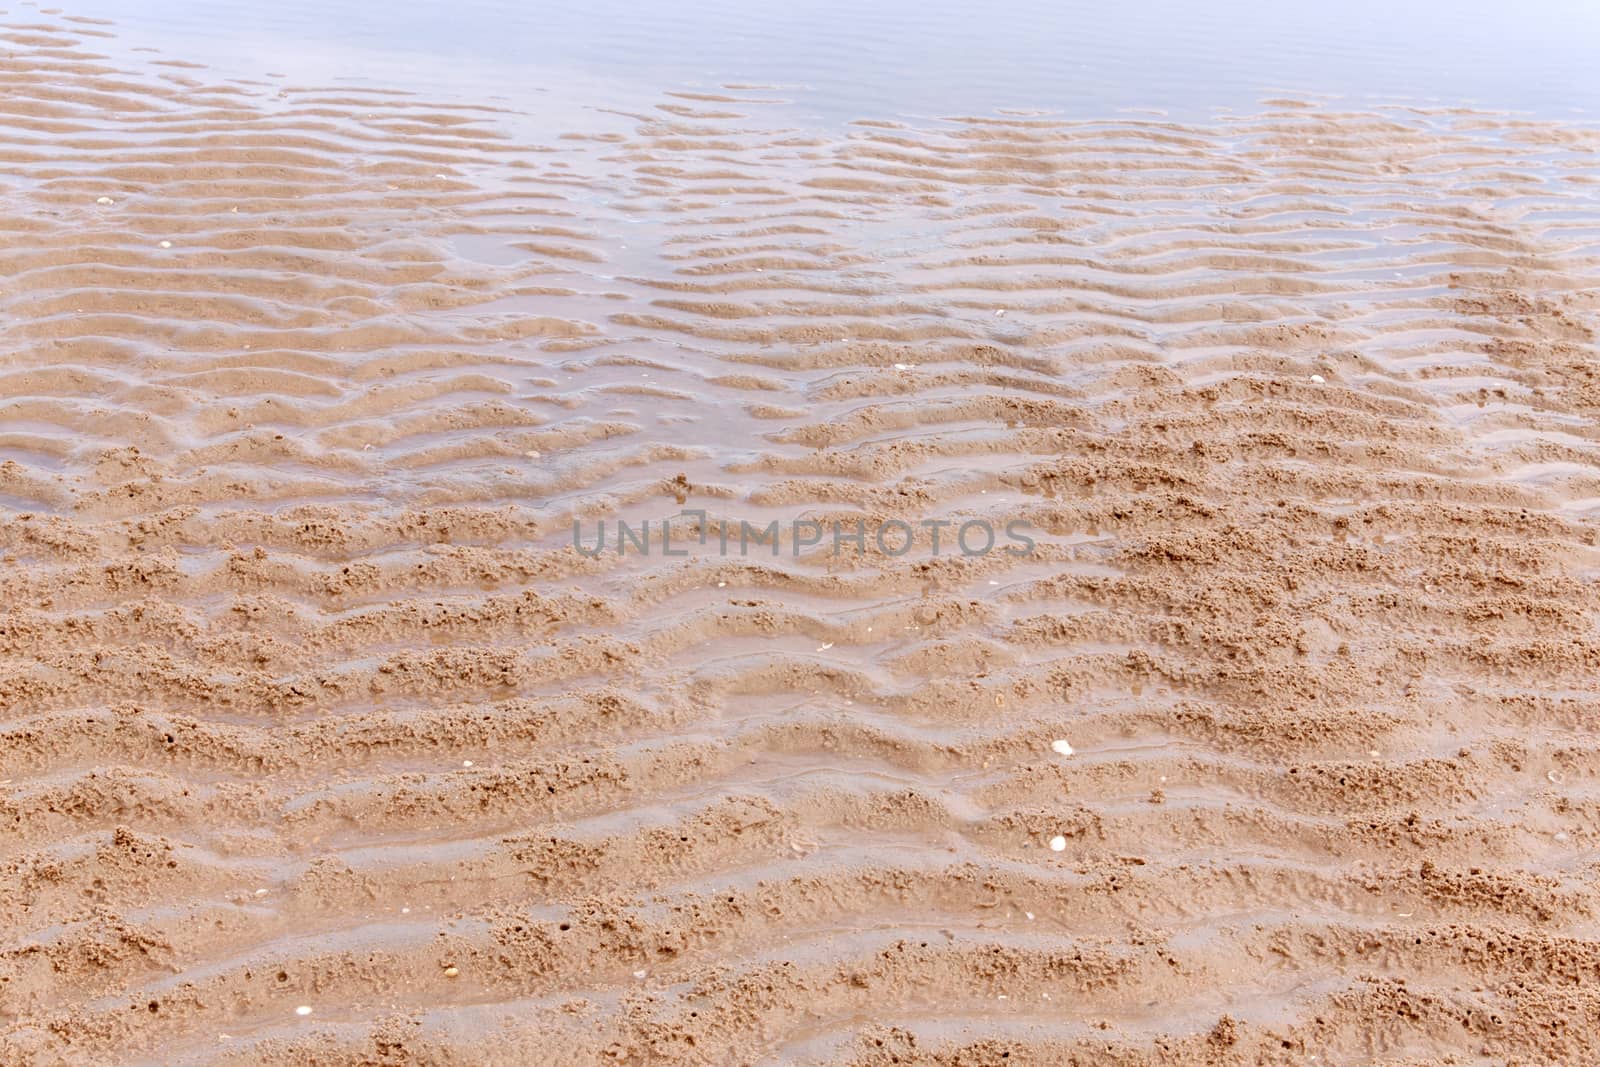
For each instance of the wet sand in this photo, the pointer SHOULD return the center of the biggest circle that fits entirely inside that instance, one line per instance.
(307, 702)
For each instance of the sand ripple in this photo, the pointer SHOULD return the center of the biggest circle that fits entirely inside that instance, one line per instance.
(306, 699)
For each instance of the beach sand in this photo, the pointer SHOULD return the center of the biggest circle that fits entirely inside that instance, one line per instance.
(319, 743)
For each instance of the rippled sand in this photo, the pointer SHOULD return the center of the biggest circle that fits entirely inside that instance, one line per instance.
(309, 703)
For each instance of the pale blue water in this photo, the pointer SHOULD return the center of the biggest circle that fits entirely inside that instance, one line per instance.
(842, 59)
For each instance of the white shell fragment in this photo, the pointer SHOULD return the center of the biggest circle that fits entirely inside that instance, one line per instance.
(1060, 747)
(1058, 844)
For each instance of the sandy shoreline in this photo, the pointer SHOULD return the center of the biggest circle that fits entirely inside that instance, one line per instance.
(306, 700)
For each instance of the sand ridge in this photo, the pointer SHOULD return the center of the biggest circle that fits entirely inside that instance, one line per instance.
(306, 699)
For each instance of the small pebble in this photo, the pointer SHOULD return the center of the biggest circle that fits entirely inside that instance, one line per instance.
(166, 244)
(1058, 844)
(1319, 379)
(304, 1009)
(1061, 747)
(451, 972)
(466, 763)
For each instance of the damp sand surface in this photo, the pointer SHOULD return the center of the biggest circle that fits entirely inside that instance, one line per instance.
(320, 743)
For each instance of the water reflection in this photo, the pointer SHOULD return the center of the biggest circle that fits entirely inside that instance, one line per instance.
(840, 59)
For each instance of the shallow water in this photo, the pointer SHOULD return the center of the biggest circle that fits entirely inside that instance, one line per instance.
(840, 60)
